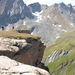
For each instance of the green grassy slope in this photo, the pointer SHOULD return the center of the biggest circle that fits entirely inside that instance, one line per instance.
(62, 65)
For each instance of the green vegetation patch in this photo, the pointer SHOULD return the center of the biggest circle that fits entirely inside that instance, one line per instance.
(16, 34)
(62, 65)
(65, 42)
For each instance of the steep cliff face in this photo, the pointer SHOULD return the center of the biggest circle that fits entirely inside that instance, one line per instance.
(70, 8)
(12, 11)
(28, 51)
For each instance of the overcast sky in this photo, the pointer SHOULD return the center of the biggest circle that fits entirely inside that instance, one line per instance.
(49, 2)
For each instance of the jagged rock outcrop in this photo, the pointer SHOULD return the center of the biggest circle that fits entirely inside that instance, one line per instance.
(12, 67)
(70, 8)
(55, 54)
(28, 51)
(35, 7)
(13, 10)
(44, 7)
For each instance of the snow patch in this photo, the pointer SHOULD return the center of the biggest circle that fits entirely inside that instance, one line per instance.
(53, 24)
(39, 17)
(64, 30)
(60, 25)
(32, 33)
(24, 23)
(71, 24)
(57, 37)
(37, 13)
(48, 16)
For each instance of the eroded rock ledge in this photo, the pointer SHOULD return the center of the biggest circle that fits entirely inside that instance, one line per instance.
(27, 51)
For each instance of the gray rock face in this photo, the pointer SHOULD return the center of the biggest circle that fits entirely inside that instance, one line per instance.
(46, 31)
(12, 11)
(12, 67)
(70, 8)
(35, 7)
(55, 54)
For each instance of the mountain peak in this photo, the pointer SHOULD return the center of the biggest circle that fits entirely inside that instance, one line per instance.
(55, 5)
(36, 7)
(12, 11)
(70, 8)
(63, 5)
(70, 5)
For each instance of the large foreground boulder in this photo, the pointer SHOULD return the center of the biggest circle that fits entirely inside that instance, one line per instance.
(12, 67)
(29, 51)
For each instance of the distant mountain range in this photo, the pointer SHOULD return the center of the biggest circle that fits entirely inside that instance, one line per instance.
(47, 22)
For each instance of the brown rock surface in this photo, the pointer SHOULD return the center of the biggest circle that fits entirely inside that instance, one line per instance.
(25, 51)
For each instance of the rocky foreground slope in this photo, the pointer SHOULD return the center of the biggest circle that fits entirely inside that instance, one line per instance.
(28, 52)
(23, 49)
(12, 67)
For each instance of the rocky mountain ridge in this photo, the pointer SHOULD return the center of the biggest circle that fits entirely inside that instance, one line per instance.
(47, 22)
(53, 21)
(12, 11)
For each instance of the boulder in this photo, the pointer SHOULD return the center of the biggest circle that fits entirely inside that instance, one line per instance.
(12, 67)
(27, 51)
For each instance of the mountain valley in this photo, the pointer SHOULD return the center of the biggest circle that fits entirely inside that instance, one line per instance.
(50, 39)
